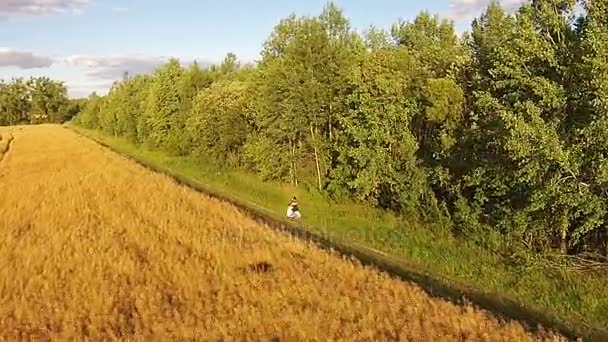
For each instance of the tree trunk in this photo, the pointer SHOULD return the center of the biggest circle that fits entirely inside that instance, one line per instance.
(293, 164)
(292, 173)
(563, 225)
(606, 243)
(314, 141)
(329, 123)
(563, 247)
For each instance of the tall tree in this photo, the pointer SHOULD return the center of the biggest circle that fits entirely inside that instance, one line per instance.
(219, 124)
(49, 100)
(163, 116)
(522, 161)
(592, 88)
(304, 65)
(377, 160)
(15, 102)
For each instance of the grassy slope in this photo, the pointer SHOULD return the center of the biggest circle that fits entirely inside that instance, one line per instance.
(575, 298)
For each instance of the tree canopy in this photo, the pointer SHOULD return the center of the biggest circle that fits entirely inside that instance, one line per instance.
(36, 100)
(501, 130)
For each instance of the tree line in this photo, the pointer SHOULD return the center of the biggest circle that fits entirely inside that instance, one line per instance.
(34, 101)
(499, 132)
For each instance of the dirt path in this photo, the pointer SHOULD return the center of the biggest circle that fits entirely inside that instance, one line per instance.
(5, 144)
(95, 246)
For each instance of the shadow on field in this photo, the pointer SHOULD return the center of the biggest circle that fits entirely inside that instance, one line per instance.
(260, 267)
(435, 285)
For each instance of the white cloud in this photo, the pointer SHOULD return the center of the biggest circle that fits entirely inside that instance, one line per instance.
(23, 59)
(102, 71)
(468, 9)
(10, 8)
(120, 9)
(85, 88)
(98, 72)
(113, 67)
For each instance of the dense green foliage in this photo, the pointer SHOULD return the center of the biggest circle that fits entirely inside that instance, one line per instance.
(499, 135)
(34, 101)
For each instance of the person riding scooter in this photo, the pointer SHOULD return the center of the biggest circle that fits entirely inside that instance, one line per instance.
(293, 211)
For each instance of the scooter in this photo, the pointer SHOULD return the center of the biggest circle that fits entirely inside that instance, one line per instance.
(293, 212)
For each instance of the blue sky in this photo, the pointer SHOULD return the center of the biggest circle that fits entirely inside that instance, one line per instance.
(89, 43)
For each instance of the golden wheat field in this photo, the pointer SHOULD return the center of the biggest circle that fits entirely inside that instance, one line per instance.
(95, 247)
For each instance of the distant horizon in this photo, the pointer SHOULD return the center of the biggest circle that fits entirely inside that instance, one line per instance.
(89, 44)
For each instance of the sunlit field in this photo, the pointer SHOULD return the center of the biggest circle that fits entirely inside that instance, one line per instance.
(95, 246)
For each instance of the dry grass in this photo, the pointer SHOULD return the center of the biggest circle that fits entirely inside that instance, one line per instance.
(93, 245)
